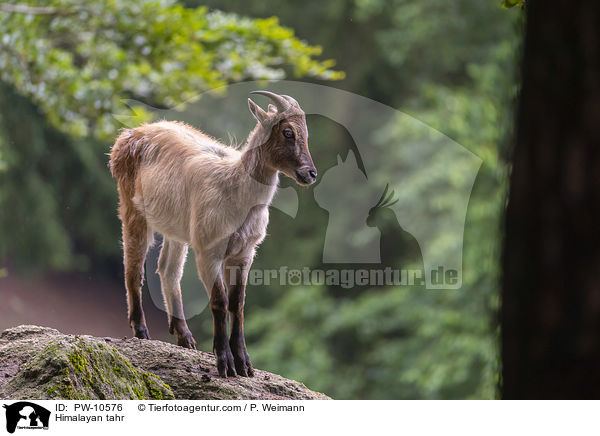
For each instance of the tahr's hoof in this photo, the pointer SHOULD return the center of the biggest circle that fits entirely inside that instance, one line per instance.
(225, 363)
(186, 340)
(244, 371)
(243, 366)
(141, 332)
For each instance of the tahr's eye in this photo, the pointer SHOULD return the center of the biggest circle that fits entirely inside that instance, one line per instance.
(288, 133)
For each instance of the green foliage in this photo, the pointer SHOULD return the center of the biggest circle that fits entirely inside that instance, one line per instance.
(78, 63)
(512, 3)
(56, 195)
(451, 65)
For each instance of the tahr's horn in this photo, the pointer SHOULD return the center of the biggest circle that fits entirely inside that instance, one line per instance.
(281, 103)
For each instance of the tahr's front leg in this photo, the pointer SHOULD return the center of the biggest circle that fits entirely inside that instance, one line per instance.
(237, 279)
(218, 307)
(212, 277)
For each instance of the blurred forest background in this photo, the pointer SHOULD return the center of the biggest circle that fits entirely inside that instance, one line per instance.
(66, 64)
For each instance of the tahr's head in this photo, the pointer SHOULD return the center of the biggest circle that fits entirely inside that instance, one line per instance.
(285, 143)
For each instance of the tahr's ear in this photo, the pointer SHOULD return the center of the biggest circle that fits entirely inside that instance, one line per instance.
(257, 112)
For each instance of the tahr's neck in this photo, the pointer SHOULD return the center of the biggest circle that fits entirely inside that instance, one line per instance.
(254, 160)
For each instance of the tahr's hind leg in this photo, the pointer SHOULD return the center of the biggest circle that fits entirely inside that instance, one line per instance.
(170, 268)
(136, 240)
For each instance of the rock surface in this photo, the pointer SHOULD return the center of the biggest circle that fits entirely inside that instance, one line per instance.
(42, 363)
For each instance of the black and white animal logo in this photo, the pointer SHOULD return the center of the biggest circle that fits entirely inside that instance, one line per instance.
(26, 415)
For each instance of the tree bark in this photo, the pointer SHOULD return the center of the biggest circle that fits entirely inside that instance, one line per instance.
(551, 261)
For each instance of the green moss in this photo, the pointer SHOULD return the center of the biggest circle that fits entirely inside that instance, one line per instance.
(139, 394)
(118, 369)
(82, 368)
(78, 362)
(67, 391)
(156, 388)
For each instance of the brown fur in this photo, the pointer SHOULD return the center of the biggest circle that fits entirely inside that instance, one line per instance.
(176, 180)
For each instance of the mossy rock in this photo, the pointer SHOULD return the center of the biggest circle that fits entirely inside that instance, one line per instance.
(43, 363)
(77, 368)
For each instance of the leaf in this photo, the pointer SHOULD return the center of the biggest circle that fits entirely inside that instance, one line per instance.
(512, 3)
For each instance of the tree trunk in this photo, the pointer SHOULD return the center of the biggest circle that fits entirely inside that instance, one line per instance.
(551, 263)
